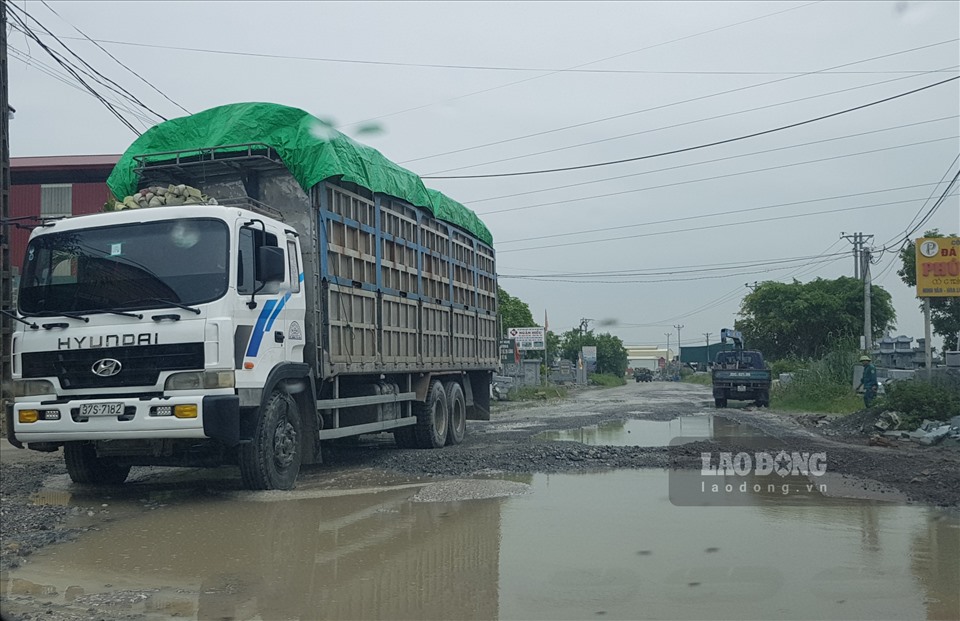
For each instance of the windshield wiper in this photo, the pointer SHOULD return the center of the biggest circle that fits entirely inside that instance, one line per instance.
(69, 314)
(15, 317)
(117, 312)
(170, 302)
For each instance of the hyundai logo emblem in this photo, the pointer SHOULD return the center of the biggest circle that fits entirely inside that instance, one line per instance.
(107, 367)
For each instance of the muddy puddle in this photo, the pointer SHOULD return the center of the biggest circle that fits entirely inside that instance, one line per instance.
(635, 432)
(600, 545)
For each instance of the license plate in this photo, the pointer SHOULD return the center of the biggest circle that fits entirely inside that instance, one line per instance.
(741, 389)
(101, 409)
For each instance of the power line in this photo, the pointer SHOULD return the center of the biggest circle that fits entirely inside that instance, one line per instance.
(592, 62)
(709, 227)
(703, 145)
(675, 103)
(665, 127)
(713, 178)
(713, 276)
(710, 161)
(27, 30)
(98, 75)
(137, 75)
(51, 72)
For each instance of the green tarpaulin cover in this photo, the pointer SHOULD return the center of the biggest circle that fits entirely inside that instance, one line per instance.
(310, 148)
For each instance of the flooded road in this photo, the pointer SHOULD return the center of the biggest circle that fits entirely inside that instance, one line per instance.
(637, 432)
(539, 546)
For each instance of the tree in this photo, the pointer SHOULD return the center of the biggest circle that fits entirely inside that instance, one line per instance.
(808, 320)
(513, 312)
(611, 355)
(944, 312)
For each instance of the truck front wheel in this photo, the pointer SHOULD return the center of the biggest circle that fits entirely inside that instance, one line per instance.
(432, 418)
(271, 460)
(86, 468)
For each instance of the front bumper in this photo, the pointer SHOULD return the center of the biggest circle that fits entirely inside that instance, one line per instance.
(218, 417)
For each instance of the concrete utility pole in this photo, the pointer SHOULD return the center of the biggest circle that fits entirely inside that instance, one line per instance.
(707, 335)
(678, 337)
(867, 323)
(6, 285)
(667, 334)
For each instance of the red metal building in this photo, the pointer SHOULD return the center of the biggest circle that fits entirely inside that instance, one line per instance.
(53, 186)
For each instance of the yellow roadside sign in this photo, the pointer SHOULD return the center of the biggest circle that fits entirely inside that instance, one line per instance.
(938, 267)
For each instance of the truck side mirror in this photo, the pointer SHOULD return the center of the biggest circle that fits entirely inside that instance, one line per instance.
(270, 264)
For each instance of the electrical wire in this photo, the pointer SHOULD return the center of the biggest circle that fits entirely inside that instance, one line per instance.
(137, 75)
(702, 145)
(904, 234)
(665, 127)
(592, 62)
(107, 82)
(713, 178)
(27, 30)
(669, 105)
(709, 227)
(51, 72)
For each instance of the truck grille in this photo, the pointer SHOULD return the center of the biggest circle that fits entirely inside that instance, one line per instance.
(140, 366)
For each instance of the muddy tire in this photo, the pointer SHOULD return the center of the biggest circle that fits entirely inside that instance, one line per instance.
(86, 468)
(271, 460)
(457, 409)
(720, 403)
(433, 418)
(763, 400)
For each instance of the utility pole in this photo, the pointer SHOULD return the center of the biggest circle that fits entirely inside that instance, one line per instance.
(707, 335)
(667, 334)
(867, 323)
(6, 285)
(678, 337)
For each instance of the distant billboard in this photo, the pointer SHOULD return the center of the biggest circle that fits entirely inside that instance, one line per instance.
(938, 267)
(528, 339)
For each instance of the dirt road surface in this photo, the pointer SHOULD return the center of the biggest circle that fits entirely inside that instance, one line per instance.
(521, 439)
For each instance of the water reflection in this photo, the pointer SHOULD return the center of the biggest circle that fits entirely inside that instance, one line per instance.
(580, 546)
(635, 432)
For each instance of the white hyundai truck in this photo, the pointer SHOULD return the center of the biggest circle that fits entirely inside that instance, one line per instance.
(326, 294)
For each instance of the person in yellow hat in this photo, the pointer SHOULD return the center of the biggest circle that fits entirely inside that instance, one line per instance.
(868, 381)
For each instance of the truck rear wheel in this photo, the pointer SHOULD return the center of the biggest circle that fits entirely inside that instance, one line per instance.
(457, 408)
(763, 400)
(720, 403)
(86, 468)
(433, 418)
(271, 460)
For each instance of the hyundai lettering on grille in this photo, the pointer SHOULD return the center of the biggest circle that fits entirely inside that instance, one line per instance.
(106, 367)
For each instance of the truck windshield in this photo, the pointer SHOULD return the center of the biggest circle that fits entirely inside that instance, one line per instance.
(121, 267)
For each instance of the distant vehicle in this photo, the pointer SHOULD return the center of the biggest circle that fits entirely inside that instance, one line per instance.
(642, 375)
(741, 375)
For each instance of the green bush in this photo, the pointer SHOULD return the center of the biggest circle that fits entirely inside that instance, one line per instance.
(786, 365)
(608, 381)
(917, 399)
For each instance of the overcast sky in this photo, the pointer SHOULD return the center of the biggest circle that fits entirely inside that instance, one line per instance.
(545, 85)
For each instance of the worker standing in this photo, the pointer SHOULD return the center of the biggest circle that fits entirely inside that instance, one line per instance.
(868, 381)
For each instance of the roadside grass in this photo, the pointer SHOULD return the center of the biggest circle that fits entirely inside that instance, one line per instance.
(549, 392)
(821, 386)
(703, 379)
(607, 381)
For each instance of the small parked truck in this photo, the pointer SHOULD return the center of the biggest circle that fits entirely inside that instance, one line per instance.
(740, 374)
(262, 284)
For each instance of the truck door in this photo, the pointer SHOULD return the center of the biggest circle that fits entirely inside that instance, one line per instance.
(269, 308)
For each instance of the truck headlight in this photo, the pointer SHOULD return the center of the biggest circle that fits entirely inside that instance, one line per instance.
(195, 380)
(30, 388)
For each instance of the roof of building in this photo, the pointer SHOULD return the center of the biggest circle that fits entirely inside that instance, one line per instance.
(47, 162)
